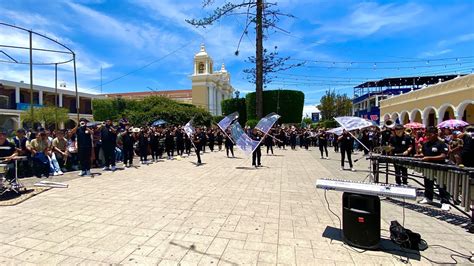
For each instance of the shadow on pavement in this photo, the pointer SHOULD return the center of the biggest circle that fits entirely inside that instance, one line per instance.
(192, 248)
(448, 217)
(386, 245)
(246, 168)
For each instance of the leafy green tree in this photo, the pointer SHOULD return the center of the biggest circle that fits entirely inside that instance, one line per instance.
(334, 105)
(48, 115)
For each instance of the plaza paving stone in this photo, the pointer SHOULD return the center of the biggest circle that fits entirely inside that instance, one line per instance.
(221, 213)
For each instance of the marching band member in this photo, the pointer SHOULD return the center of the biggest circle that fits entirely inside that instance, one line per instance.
(434, 150)
(269, 143)
(108, 135)
(400, 145)
(84, 146)
(179, 141)
(128, 140)
(323, 143)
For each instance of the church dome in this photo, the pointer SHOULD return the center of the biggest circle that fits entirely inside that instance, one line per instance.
(202, 52)
(223, 70)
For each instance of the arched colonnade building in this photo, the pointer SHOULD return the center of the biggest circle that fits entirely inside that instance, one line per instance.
(452, 99)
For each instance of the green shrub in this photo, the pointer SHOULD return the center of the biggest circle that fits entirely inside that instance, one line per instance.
(144, 112)
(235, 105)
(288, 102)
(251, 123)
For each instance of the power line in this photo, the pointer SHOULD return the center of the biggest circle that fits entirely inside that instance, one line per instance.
(375, 67)
(144, 66)
(384, 62)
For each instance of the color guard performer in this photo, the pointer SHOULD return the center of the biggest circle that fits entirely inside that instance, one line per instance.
(198, 143)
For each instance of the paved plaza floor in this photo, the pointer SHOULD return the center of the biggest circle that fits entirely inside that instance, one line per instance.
(223, 212)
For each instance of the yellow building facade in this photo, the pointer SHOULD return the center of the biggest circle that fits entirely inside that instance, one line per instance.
(209, 87)
(453, 99)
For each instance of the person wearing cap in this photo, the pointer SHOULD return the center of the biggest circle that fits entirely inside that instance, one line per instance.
(84, 146)
(434, 150)
(400, 145)
(7, 153)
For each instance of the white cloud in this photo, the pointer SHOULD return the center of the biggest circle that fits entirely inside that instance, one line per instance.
(88, 66)
(458, 39)
(369, 18)
(435, 53)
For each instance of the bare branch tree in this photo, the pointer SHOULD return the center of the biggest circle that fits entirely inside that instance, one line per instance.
(265, 16)
(272, 64)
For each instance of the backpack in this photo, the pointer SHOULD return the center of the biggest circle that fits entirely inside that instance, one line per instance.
(406, 238)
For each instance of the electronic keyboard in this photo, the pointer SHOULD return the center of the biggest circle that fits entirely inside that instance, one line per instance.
(375, 189)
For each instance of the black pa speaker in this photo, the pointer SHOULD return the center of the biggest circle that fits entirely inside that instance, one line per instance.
(361, 220)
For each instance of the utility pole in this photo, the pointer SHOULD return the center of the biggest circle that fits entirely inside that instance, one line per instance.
(259, 60)
(100, 79)
(278, 101)
(31, 75)
(56, 96)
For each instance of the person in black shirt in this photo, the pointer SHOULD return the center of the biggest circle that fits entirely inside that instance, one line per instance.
(229, 144)
(467, 152)
(335, 142)
(323, 143)
(293, 139)
(203, 140)
(84, 146)
(198, 144)
(346, 141)
(169, 144)
(108, 136)
(211, 139)
(143, 141)
(7, 153)
(257, 153)
(400, 145)
(187, 144)
(179, 141)
(128, 140)
(434, 150)
(220, 140)
(269, 143)
(154, 143)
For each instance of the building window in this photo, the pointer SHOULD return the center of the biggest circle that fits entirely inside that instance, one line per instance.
(201, 68)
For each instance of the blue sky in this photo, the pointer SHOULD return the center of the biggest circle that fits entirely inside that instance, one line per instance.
(343, 42)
